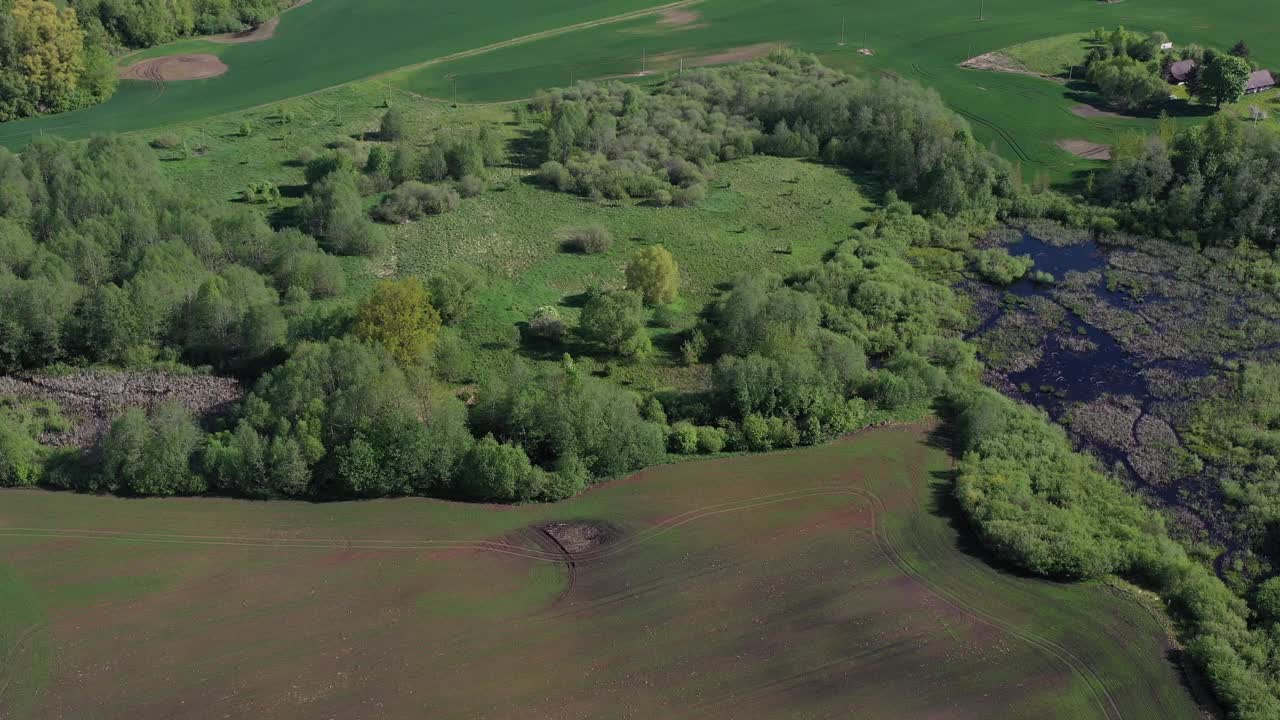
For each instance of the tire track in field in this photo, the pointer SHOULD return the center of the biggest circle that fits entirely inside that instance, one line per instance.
(1000, 132)
(345, 543)
(1102, 696)
(570, 564)
(21, 640)
(1097, 687)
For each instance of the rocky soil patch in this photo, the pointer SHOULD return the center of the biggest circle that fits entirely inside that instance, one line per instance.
(91, 401)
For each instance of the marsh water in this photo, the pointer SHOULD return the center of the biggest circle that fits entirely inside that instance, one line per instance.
(1110, 350)
(1092, 363)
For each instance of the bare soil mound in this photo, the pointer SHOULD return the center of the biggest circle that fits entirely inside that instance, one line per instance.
(93, 400)
(677, 16)
(733, 55)
(1089, 111)
(1085, 149)
(998, 62)
(580, 536)
(176, 67)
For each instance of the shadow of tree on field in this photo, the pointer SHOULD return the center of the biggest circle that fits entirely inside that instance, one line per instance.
(943, 504)
(526, 149)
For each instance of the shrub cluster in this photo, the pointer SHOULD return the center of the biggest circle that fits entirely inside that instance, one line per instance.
(589, 240)
(613, 140)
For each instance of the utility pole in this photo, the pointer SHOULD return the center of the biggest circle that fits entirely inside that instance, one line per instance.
(681, 66)
(643, 60)
(842, 31)
(981, 8)
(455, 90)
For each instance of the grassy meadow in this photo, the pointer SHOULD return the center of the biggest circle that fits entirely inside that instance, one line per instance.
(761, 213)
(715, 593)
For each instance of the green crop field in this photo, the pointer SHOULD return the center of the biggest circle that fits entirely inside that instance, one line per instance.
(822, 582)
(921, 39)
(317, 45)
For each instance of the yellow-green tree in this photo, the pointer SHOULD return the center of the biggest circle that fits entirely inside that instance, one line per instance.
(50, 44)
(398, 315)
(654, 274)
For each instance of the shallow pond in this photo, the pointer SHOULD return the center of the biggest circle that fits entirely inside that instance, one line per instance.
(1084, 362)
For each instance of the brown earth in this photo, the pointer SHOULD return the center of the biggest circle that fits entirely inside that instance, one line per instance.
(175, 67)
(1089, 111)
(92, 400)
(998, 62)
(265, 31)
(580, 536)
(733, 55)
(1085, 149)
(767, 597)
(677, 17)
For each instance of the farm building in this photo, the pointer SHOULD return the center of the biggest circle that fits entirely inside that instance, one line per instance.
(1259, 80)
(1181, 71)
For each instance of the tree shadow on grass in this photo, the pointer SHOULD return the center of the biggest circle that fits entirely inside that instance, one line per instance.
(285, 217)
(1085, 94)
(293, 191)
(526, 149)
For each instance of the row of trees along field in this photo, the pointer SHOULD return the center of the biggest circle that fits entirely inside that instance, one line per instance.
(56, 57)
(103, 260)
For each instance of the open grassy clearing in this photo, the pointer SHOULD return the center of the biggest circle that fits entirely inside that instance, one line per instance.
(762, 213)
(1052, 55)
(801, 584)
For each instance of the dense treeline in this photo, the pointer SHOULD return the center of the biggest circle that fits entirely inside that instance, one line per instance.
(56, 57)
(102, 259)
(1216, 183)
(143, 23)
(613, 140)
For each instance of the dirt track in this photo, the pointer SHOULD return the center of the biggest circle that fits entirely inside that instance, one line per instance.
(265, 31)
(1085, 149)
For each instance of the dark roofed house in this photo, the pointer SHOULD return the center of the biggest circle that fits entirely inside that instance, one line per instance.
(1181, 71)
(1259, 80)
